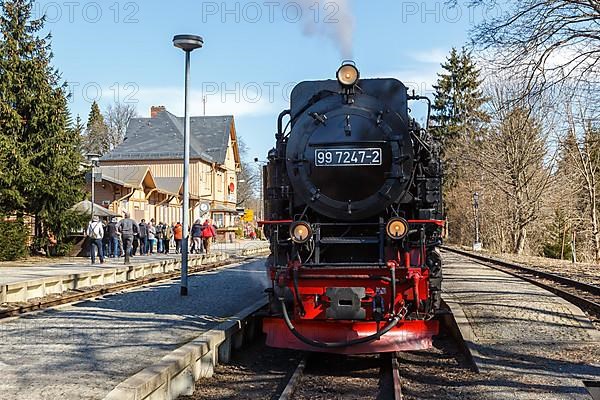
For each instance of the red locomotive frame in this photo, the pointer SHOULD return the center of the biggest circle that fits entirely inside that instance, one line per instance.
(413, 330)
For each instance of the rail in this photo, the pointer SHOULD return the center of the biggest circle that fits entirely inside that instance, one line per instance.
(128, 281)
(292, 384)
(581, 294)
(396, 378)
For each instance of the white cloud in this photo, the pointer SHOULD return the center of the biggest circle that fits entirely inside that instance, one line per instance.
(238, 102)
(222, 98)
(431, 56)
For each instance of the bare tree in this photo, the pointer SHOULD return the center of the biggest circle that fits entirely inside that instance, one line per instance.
(117, 118)
(548, 41)
(583, 148)
(248, 178)
(514, 159)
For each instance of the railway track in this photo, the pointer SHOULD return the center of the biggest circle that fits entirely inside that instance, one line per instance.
(389, 384)
(257, 371)
(93, 293)
(396, 378)
(581, 294)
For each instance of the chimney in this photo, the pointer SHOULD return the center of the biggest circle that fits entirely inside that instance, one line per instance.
(155, 110)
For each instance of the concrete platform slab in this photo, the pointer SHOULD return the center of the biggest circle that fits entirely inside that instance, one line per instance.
(22, 283)
(531, 338)
(83, 351)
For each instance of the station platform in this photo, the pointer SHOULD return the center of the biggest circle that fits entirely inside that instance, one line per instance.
(26, 280)
(84, 350)
(527, 342)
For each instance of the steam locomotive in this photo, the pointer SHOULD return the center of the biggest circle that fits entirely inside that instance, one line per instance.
(353, 213)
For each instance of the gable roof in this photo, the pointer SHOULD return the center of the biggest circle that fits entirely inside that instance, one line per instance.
(161, 137)
(170, 185)
(128, 176)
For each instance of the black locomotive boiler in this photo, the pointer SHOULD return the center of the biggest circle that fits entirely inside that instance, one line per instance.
(353, 214)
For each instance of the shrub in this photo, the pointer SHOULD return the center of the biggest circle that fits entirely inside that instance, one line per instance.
(13, 239)
(239, 233)
(63, 249)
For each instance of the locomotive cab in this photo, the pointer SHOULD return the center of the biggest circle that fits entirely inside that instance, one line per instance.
(353, 209)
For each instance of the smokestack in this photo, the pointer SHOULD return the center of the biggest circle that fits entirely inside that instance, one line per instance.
(155, 110)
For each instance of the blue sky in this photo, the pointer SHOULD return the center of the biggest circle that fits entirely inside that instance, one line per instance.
(122, 50)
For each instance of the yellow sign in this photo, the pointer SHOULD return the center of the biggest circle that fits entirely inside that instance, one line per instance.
(248, 216)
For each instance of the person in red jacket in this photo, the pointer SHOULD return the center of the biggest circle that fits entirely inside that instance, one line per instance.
(178, 236)
(208, 233)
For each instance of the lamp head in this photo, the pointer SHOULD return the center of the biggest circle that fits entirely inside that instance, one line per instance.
(188, 42)
(94, 158)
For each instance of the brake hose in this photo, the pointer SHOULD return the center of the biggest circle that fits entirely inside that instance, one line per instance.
(326, 345)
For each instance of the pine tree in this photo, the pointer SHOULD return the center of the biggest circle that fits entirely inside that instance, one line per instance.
(558, 233)
(458, 99)
(97, 137)
(39, 148)
(14, 167)
(458, 122)
(79, 127)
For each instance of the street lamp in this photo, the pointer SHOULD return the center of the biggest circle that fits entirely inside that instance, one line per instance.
(477, 244)
(94, 159)
(187, 43)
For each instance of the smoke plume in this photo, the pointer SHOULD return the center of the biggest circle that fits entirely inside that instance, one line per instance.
(332, 19)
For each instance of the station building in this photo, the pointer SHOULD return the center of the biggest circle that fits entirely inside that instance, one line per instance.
(144, 175)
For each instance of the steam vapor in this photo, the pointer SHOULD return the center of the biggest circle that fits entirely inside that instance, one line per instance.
(334, 20)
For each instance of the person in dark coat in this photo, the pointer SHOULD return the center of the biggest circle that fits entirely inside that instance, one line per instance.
(105, 239)
(197, 237)
(167, 235)
(129, 230)
(160, 235)
(143, 236)
(113, 238)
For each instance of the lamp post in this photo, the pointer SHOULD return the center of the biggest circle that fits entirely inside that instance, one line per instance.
(477, 244)
(94, 159)
(187, 43)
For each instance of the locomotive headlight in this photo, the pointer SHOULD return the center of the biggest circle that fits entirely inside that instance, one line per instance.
(348, 74)
(300, 232)
(397, 228)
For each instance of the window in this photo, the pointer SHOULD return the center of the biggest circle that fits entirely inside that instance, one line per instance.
(218, 220)
(207, 180)
(219, 182)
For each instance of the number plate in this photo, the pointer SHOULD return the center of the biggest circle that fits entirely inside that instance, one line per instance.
(347, 157)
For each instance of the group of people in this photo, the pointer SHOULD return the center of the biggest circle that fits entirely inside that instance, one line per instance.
(126, 237)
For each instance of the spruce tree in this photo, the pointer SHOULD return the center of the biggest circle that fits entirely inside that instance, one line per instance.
(39, 148)
(458, 99)
(96, 138)
(79, 127)
(458, 121)
(14, 167)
